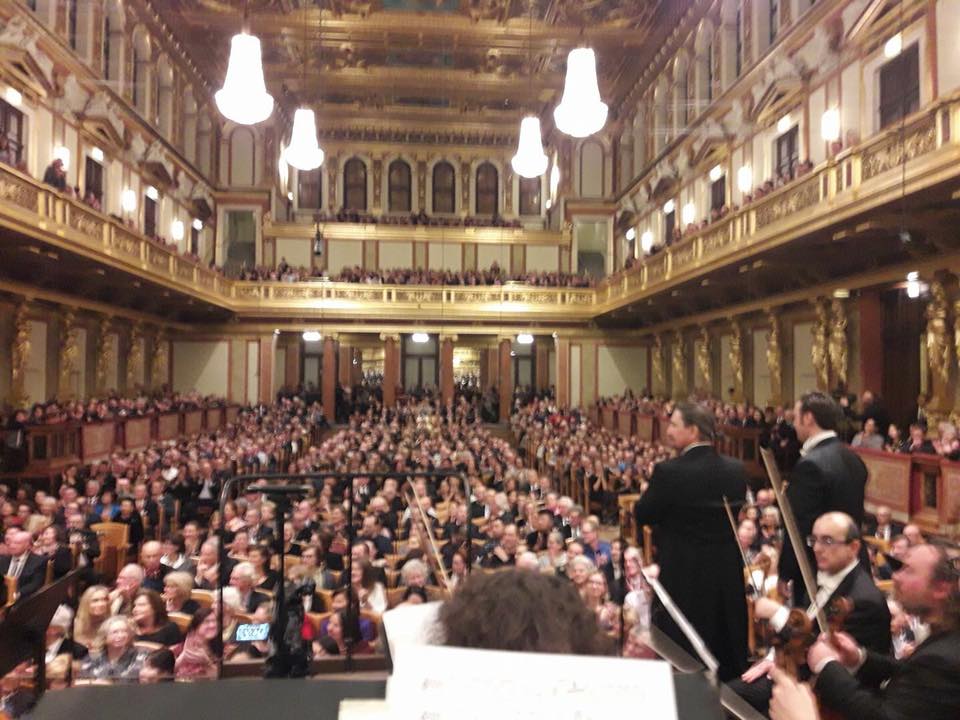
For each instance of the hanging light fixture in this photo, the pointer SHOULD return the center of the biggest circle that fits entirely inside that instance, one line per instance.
(581, 112)
(244, 98)
(530, 160)
(303, 152)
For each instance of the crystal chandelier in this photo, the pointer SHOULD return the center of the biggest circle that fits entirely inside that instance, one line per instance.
(581, 112)
(244, 98)
(303, 152)
(530, 160)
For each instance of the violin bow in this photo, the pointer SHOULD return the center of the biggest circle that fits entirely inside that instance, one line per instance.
(433, 543)
(793, 532)
(743, 554)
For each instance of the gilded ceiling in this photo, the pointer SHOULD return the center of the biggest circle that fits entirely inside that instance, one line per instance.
(480, 61)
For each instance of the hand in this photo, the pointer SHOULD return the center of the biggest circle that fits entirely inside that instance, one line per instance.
(652, 571)
(765, 608)
(791, 700)
(757, 671)
(820, 652)
(846, 648)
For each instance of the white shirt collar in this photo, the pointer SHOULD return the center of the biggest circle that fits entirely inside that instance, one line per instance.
(815, 440)
(691, 446)
(827, 584)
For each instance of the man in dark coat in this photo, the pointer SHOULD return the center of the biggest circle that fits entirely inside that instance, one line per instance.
(700, 563)
(860, 683)
(828, 477)
(836, 542)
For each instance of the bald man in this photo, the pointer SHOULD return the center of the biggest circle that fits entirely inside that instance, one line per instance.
(29, 570)
(836, 547)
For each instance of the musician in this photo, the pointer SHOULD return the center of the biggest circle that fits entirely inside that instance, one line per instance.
(828, 477)
(836, 546)
(861, 683)
(700, 563)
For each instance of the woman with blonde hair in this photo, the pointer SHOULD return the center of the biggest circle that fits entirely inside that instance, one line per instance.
(119, 659)
(93, 610)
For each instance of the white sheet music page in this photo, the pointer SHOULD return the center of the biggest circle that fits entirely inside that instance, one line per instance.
(444, 683)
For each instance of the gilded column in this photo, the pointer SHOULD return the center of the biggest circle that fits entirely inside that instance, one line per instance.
(328, 390)
(159, 360)
(659, 376)
(135, 357)
(820, 332)
(838, 342)
(19, 357)
(736, 359)
(703, 359)
(679, 366)
(69, 353)
(102, 350)
(774, 358)
(505, 383)
(446, 367)
(938, 348)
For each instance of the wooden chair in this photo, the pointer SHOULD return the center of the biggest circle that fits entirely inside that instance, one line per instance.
(202, 597)
(147, 645)
(114, 544)
(374, 619)
(336, 575)
(244, 617)
(48, 578)
(181, 620)
(11, 584)
(395, 596)
(391, 561)
(393, 577)
(327, 596)
(317, 620)
(437, 594)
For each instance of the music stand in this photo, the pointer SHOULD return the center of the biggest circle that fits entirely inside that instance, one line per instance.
(23, 632)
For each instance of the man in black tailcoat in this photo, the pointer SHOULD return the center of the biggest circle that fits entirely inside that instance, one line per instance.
(700, 563)
(829, 477)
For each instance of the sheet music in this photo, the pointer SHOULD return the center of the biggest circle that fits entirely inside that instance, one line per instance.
(689, 632)
(447, 683)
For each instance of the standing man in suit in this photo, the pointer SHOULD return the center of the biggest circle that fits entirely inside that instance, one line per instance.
(700, 564)
(836, 545)
(828, 477)
(29, 570)
(860, 683)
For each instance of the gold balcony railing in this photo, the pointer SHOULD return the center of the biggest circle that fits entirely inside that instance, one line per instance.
(857, 180)
(854, 182)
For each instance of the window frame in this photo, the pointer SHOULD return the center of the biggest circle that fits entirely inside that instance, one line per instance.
(488, 193)
(399, 192)
(354, 185)
(304, 180)
(435, 192)
(907, 102)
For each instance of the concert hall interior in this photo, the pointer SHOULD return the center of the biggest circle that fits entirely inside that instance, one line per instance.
(343, 340)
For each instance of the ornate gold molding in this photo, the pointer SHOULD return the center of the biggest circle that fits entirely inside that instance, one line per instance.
(20, 356)
(819, 352)
(838, 342)
(736, 358)
(938, 346)
(774, 358)
(69, 354)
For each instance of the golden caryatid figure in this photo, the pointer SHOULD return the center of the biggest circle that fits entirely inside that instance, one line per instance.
(774, 358)
(158, 361)
(679, 366)
(135, 357)
(659, 380)
(938, 345)
(736, 359)
(838, 342)
(703, 359)
(103, 348)
(69, 354)
(821, 359)
(19, 357)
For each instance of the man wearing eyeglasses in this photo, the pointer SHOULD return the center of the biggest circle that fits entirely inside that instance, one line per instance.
(835, 541)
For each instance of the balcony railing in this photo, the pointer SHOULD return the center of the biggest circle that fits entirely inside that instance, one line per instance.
(856, 181)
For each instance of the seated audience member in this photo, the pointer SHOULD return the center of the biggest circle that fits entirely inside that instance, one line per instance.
(579, 570)
(555, 558)
(117, 660)
(373, 595)
(338, 632)
(197, 655)
(175, 554)
(128, 583)
(312, 559)
(869, 437)
(918, 443)
(150, 615)
(157, 667)
(862, 683)
(52, 546)
(57, 641)
(263, 577)
(29, 570)
(153, 569)
(414, 596)
(913, 535)
(241, 578)
(93, 610)
(535, 613)
(177, 587)
(56, 175)
(883, 527)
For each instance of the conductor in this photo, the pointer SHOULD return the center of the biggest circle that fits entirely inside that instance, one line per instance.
(700, 564)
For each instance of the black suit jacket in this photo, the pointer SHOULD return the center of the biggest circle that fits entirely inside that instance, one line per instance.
(32, 576)
(700, 563)
(869, 620)
(255, 600)
(925, 686)
(829, 478)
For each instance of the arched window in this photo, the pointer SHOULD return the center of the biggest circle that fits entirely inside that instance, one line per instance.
(398, 187)
(355, 185)
(530, 196)
(488, 186)
(310, 189)
(444, 188)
